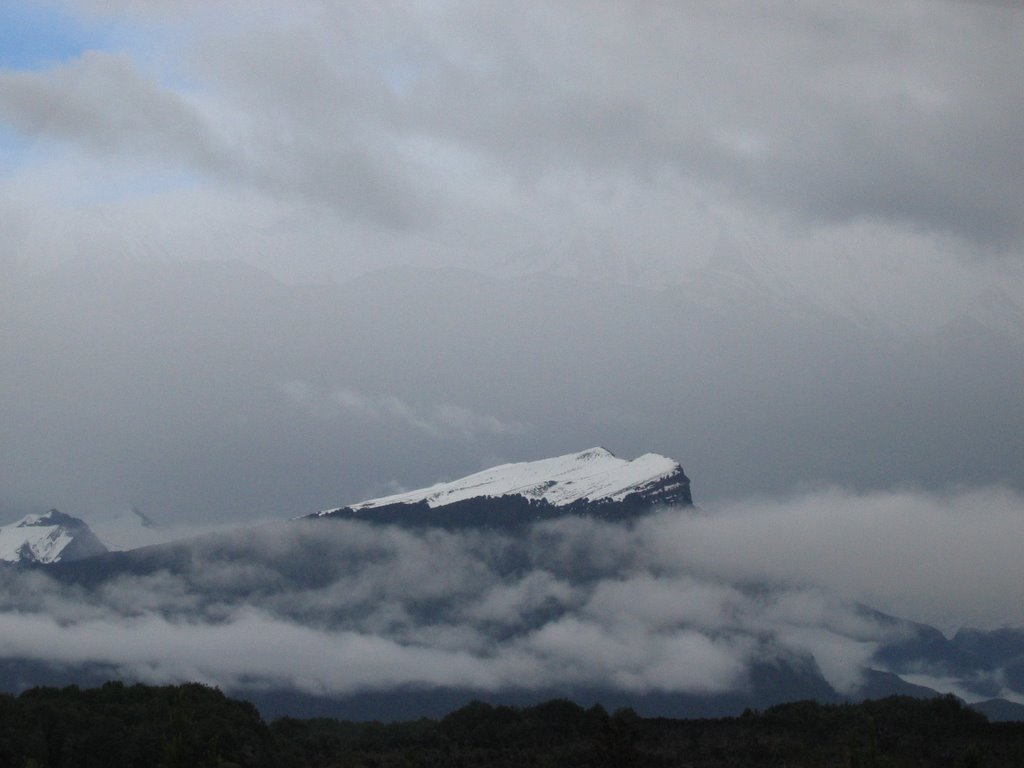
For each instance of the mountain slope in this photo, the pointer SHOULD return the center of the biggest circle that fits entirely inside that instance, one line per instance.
(592, 482)
(48, 538)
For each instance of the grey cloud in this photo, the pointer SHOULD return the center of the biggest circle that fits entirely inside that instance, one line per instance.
(914, 554)
(248, 646)
(105, 102)
(657, 602)
(379, 610)
(901, 113)
(680, 601)
(841, 659)
(629, 657)
(509, 603)
(444, 420)
(816, 111)
(161, 386)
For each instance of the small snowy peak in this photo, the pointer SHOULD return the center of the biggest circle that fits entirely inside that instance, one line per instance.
(594, 476)
(48, 538)
(124, 529)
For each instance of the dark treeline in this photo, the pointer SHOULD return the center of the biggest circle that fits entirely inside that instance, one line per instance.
(192, 725)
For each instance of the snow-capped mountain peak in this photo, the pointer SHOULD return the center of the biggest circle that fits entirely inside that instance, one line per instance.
(48, 538)
(594, 478)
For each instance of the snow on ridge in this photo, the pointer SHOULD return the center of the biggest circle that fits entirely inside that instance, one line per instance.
(594, 474)
(28, 539)
(36, 519)
(47, 538)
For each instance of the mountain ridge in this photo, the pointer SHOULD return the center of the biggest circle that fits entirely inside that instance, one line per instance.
(49, 537)
(593, 482)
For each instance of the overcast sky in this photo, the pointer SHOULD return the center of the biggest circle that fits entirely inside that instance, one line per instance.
(322, 139)
(781, 243)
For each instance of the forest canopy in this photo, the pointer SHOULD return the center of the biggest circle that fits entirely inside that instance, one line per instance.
(120, 725)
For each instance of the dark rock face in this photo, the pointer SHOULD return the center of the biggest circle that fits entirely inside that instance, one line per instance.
(1004, 646)
(84, 542)
(673, 489)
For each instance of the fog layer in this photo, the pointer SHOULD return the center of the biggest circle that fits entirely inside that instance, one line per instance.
(680, 601)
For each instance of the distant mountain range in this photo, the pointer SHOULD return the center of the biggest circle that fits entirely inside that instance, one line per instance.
(592, 483)
(518, 508)
(55, 536)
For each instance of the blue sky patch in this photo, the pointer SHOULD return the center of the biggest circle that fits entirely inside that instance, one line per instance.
(128, 185)
(12, 149)
(39, 35)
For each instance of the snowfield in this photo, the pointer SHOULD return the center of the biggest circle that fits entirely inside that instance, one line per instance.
(593, 475)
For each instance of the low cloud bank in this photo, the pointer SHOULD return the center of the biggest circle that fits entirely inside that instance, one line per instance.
(682, 601)
(949, 560)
